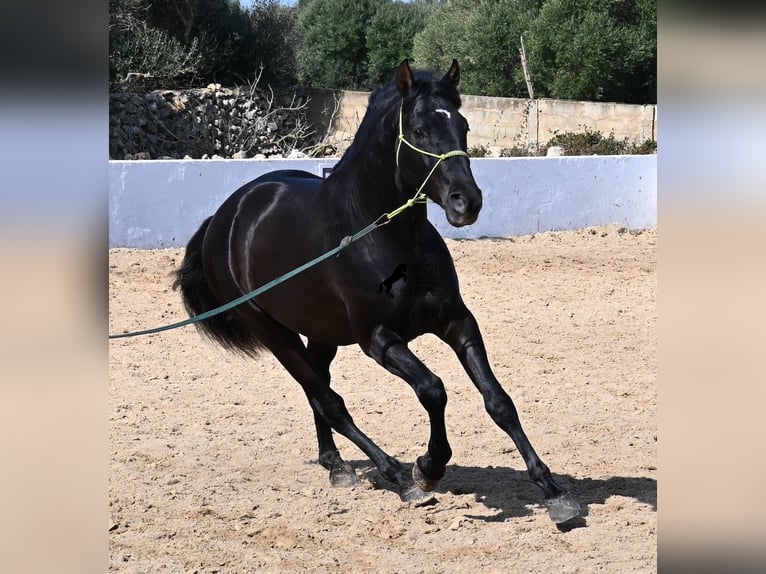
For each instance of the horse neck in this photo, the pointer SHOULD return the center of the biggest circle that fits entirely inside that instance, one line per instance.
(369, 180)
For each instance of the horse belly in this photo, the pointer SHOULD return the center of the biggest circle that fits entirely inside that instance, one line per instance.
(310, 310)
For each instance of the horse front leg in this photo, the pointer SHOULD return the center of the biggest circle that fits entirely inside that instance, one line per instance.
(464, 336)
(392, 353)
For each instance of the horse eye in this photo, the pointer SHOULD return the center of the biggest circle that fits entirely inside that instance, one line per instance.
(418, 133)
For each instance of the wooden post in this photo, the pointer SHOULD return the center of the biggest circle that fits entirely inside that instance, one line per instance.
(523, 53)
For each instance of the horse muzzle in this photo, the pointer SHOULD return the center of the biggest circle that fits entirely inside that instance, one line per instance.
(462, 209)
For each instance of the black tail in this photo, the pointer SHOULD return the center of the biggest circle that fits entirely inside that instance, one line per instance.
(227, 328)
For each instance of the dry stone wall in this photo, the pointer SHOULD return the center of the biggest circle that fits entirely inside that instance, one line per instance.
(208, 122)
(247, 122)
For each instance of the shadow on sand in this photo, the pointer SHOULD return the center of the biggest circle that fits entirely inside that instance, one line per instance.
(512, 493)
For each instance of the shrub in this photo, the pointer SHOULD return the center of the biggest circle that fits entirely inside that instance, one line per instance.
(590, 142)
(479, 151)
(146, 58)
(647, 147)
(517, 151)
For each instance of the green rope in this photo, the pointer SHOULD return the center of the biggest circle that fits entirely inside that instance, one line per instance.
(345, 242)
(419, 197)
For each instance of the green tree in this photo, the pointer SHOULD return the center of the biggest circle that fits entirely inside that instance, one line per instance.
(576, 49)
(437, 43)
(601, 50)
(484, 35)
(391, 35)
(180, 41)
(273, 28)
(331, 50)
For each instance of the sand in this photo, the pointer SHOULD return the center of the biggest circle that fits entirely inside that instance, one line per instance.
(213, 456)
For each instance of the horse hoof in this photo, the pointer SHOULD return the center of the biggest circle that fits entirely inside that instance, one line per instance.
(343, 476)
(422, 481)
(562, 508)
(415, 495)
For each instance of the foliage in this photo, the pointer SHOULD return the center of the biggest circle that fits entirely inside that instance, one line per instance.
(647, 147)
(180, 41)
(479, 151)
(598, 50)
(331, 49)
(390, 36)
(590, 142)
(585, 142)
(274, 30)
(347, 44)
(141, 56)
(484, 36)
(517, 151)
(162, 60)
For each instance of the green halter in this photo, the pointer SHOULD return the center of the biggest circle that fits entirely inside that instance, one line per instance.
(419, 196)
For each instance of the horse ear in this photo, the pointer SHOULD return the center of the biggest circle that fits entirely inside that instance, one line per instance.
(404, 78)
(453, 74)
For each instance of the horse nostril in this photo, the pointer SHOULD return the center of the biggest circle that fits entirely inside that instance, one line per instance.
(458, 202)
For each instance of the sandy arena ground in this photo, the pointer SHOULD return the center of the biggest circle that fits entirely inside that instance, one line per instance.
(213, 457)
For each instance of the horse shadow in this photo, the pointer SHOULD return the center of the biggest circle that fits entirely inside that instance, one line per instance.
(512, 493)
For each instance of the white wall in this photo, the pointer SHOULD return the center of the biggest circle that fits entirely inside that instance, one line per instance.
(161, 203)
(530, 195)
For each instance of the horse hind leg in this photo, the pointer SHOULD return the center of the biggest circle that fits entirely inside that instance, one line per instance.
(342, 474)
(288, 349)
(331, 408)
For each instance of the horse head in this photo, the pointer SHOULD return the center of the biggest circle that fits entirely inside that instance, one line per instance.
(431, 147)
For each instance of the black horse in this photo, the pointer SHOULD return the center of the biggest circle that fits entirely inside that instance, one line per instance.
(285, 218)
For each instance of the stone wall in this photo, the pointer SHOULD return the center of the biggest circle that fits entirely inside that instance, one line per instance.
(208, 122)
(246, 122)
(626, 121)
(498, 123)
(340, 113)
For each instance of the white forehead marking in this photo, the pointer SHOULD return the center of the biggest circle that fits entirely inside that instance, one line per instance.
(445, 112)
